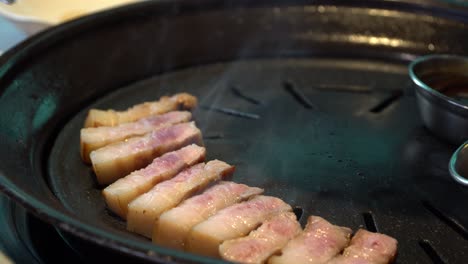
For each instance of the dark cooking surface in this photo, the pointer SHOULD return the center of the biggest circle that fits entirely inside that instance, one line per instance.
(336, 131)
(348, 158)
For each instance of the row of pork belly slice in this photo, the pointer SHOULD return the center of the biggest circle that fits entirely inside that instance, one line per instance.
(160, 184)
(118, 143)
(234, 221)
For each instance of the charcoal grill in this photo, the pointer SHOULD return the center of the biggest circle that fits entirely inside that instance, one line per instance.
(311, 101)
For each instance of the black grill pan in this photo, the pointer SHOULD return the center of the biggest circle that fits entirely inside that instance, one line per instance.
(310, 101)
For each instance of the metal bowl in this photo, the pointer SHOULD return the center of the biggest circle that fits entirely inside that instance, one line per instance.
(444, 115)
(458, 166)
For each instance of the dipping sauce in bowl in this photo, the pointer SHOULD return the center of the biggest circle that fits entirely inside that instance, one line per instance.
(451, 85)
(441, 92)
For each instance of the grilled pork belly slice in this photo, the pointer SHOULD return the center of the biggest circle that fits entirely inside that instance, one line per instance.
(181, 101)
(318, 243)
(146, 209)
(368, 248)
(260, 244)
(116, 160)
(92, 138)
(120, 193)
(232, 222)
(173, 226)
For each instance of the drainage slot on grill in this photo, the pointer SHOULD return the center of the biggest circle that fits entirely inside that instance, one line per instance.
(431, 252)
(369, 221)
(385, 103)
(298, 211)
(448, 220)
(343, 88)
(298, 95)
(247, 98)
(232, 112)
(214, 136)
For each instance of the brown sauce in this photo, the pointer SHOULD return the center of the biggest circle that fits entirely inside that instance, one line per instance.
(452, 85)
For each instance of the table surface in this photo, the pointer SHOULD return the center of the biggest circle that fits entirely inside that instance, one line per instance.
(9, 34)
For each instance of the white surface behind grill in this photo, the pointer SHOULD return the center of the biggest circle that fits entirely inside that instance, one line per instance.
(9, 34)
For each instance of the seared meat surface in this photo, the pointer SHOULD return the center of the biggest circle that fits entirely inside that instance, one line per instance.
(263, 242)
(144, 211)
(120, 193)
(318, 243)
(233, 222)
(173, 227)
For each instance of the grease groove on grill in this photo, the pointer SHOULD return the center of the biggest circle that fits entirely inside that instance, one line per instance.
(343, 88)
(369, 221)
(242, 95)
(447, 219)
(214, 136)
(431, 252)
(298, 211)
(388, 101)
(232, 112)
(298, 95)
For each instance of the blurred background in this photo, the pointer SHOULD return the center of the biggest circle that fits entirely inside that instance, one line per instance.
(10, 34)
(26, 17)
